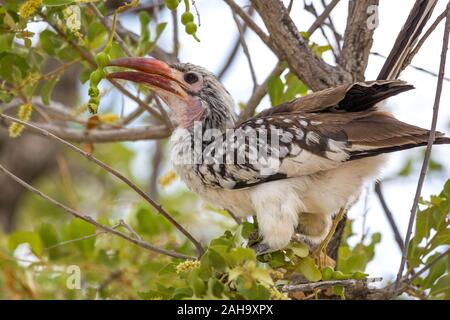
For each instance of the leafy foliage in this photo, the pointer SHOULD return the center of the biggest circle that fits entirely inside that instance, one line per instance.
(432, 235)
(37, 260)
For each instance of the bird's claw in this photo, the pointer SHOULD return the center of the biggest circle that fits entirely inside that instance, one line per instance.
(261, 248)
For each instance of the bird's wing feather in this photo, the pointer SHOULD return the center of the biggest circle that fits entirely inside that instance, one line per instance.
(298, 144)
(353, 97)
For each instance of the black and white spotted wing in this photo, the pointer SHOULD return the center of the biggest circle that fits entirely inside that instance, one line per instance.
(267, 149)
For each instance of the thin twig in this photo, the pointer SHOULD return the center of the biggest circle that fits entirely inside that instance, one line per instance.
(431, 73)
(246, 51)
(389, 215)
(104, 21)
(424, 38)
(428, 266)
(122, 223)
(327, 284)
(332, 27)
(431, 139)
(259, 93)
(102, 135)
(89, 58)
(233, 52)
(235, 217)
(175, 34)
(323, 16)
(90, 220)
(117, 174)
(249, 21)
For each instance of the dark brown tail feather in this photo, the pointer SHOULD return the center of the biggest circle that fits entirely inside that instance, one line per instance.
(407, 38)
(360, 98)
(355, 155)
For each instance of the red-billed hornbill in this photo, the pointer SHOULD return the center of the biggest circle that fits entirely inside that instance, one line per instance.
(304, 160)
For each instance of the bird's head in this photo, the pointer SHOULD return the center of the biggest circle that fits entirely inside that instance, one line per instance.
(191, 92)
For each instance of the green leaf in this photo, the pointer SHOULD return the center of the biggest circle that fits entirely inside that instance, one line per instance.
(262, 276)
(144, 19)
(32, 238)
(446, 190)
(13, 67)
(160, 27)
(48, 234)
(295, 87)
(215, 288)
(50, 42)
(308, 268)
(6, 41)
(79, 229)
(407, 168)
(5, 96)
(55, 3)
(437, 270)
(275, 89)
(196, 283)
(247, 229)
(441, 286)
(237, 256)
(96, 35)
(277, 259)
(47, 89)
(441, 238)
(300, 249)
(251, 290)
(424, 222)
(182, 293)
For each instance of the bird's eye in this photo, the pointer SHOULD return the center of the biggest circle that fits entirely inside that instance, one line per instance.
(190, 78)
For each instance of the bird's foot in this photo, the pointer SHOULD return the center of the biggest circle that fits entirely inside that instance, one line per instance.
(321, 252)
(261, 248)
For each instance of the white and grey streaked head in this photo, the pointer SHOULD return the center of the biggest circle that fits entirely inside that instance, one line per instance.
(191, 92)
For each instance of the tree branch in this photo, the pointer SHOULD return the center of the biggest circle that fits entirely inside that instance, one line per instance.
(117, 174)
(431, 139)
(291, 47)
(327, 284)
(90, 220)
(358, 39)
(389, 215)
(416, 21)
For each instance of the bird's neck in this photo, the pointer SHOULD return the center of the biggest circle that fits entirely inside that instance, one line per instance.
(219, 117)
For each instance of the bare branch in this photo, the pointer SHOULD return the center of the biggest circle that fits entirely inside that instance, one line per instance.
(416, 21)
(104, 21)
(90, 220)
(320, 24)
(358, 39)
(292, 48)
(175, 35)
(117, 174)
(429, 265)
(101, 135)
(259, 93)
(233, 52)
(423, 39)
(249, 22)
(327, 284)
(431, 139)
(431, 73)
(389, 215)
(323, 16)
(261, 90)
(246, 51)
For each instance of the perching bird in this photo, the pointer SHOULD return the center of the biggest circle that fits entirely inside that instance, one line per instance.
(294, 166)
